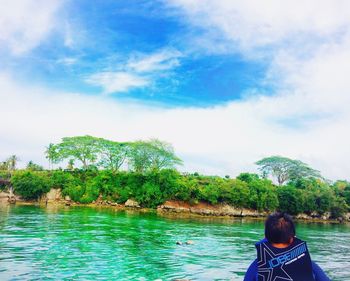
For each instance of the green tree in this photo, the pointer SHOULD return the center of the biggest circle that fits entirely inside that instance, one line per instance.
(112, 154)
(70, 166)
(31, 166)
(290, 200)
(248, 177)
(162, 155)
(235, 192)
(12, 162)
(30, 185)
(84, 149)
(285, 169)
(152, 155)
(4, 166)
(51, 154)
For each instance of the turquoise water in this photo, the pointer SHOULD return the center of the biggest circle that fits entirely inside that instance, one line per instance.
(77, 243)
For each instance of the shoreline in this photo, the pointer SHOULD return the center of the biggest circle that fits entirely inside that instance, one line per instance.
(180, 210)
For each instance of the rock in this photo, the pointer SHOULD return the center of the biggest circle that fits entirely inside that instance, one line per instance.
(12, 200)
(67, 198)
(347, 216)
(303, 216)
(250, 213)
(132, 204)
(54, 195)
(178, 243)
(326, 216)
(228, 210)
(189, 242)
(340, 219)
(174, 206)
(68, 203)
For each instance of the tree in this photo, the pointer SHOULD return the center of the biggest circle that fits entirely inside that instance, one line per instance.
(30, 185)
(12, 162)
(34, 167)
(248, 177)
(112, 154)
(162, 155)
(4, 166)
(290, 200)
(138, 157)
(84, 149)
(51, 154)
(285, 169)
(152, 155)
(70, 165)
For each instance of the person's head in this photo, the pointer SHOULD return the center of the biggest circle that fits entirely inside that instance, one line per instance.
(279, 228)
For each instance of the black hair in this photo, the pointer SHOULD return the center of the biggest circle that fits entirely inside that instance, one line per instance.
(279, 228)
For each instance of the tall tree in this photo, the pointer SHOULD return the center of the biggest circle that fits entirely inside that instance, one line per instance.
(285, 169)
(139, 156)
(162, 155)
(84, 149)
(112, 154)
(152, 155)
(51, 154)
(12, 162)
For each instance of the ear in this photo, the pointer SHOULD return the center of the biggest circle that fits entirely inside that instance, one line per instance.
(291, 240)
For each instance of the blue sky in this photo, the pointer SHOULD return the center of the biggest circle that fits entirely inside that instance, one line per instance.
(102, 36)
(225, 82)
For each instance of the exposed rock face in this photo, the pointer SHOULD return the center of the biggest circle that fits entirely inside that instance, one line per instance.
(9, 197)
(132, 204)
(4, 196)
(347, 216)
(174, 206)
(54, 195)
(315, 216)
(207, 209)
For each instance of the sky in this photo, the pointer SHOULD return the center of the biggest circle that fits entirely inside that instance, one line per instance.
(225, 82)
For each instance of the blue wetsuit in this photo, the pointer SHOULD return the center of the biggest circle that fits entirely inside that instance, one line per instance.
(252, 272)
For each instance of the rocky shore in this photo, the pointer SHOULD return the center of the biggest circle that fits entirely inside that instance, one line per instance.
(177, 208)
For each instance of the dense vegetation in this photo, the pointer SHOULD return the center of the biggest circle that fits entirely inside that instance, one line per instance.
(145, 172)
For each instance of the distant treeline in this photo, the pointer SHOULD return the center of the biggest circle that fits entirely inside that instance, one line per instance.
(149, 177)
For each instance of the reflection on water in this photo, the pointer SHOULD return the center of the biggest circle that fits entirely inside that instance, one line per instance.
(76, 243)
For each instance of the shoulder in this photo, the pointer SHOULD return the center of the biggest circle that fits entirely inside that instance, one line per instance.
(252, 272)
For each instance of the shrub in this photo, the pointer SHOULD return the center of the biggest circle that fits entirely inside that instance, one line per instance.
(30, 185)
(338, 208)
(290, 200)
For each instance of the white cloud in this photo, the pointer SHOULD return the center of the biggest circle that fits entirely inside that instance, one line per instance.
(113, 82)
(138, 72)
(220, 140)
(24, 24)
(307, 45)
(253, 23)
(67, 60)
(162, 60)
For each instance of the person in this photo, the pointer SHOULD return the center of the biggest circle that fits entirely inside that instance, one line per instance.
(281, 255)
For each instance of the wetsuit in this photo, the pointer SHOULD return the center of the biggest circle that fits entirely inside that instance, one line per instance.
(292, 263)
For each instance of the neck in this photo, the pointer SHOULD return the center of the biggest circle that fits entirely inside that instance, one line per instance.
(282, 245)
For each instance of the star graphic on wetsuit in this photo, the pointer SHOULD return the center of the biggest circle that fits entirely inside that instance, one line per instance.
(266, 273)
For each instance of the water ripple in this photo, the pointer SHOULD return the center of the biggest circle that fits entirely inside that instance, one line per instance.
(92, 244)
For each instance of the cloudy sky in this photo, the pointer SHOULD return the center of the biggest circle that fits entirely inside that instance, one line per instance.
(226, 82)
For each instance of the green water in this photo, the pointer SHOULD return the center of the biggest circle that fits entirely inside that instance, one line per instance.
(103, 244)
